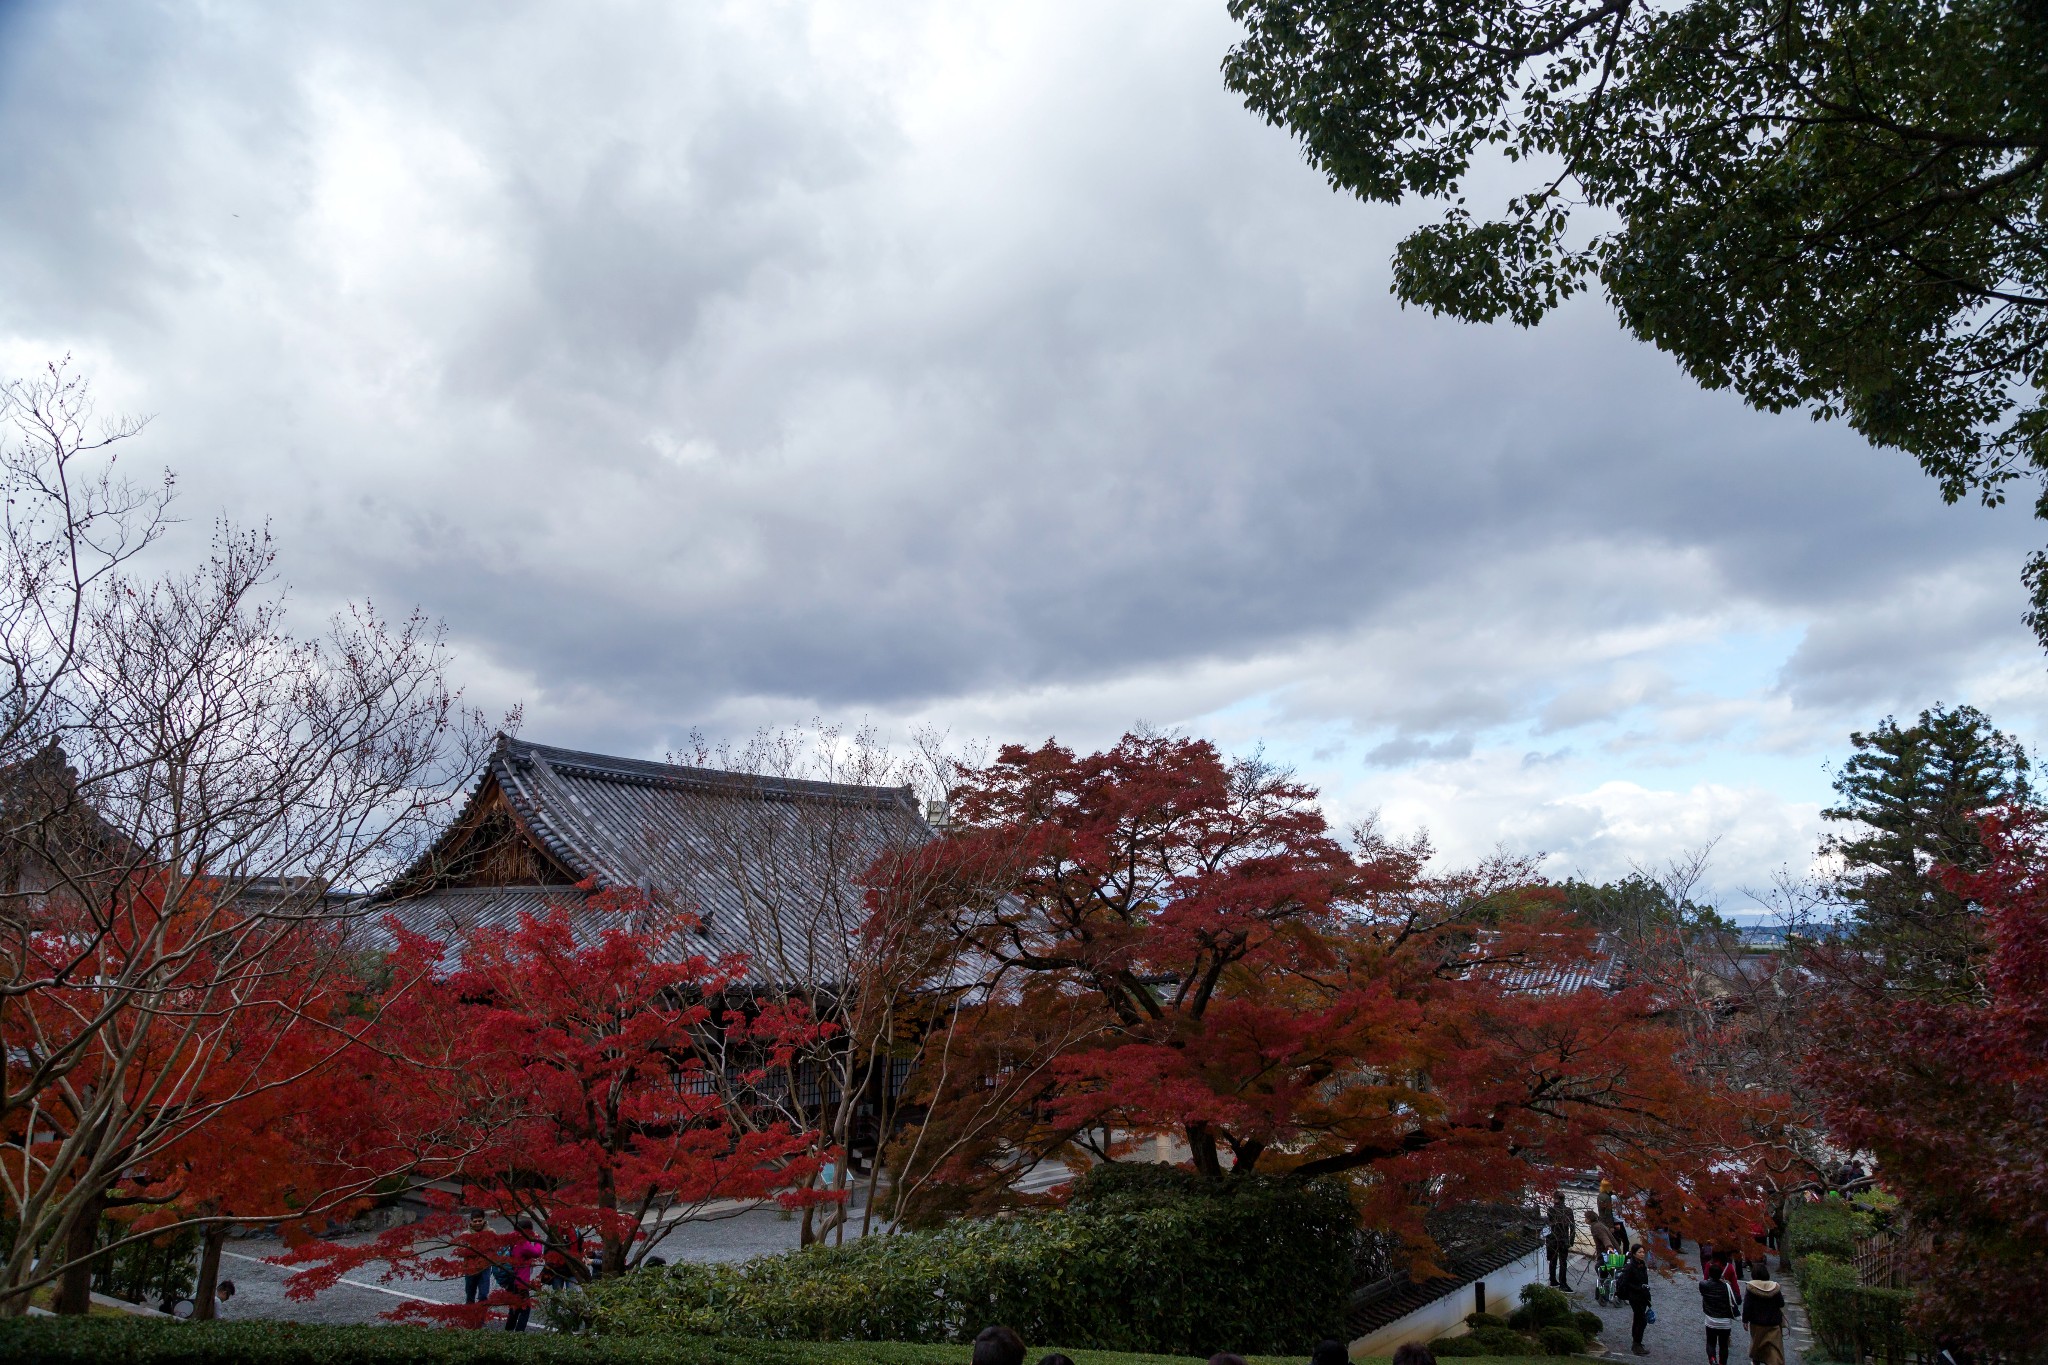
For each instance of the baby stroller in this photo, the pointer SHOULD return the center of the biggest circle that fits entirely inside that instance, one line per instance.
(1610, 1271)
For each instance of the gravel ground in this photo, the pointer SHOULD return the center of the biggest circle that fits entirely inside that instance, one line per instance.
(1679, 1335)
(365, 1296)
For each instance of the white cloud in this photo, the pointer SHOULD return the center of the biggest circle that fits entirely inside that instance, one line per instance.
(982, 366)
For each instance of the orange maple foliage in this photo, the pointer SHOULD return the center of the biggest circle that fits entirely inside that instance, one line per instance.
(1275, 1001)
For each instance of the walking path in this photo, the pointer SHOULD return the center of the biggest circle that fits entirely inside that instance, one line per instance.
(1679, 1335)
(365, 1296)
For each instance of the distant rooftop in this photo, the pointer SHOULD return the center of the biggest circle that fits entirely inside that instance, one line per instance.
(769, 865)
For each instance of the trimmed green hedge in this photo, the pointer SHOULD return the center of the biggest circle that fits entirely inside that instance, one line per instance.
(140, 1341)
(1829, 1227)
(1852, 1319)
(1141, 1260)
(1545, 1324)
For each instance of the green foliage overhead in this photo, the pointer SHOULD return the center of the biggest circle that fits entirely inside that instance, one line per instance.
(1916, 795)
(1246, 1265)
(1826, 203)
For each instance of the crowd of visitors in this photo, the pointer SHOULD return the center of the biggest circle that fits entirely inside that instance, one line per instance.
(1732, 1293)
(511, 1264)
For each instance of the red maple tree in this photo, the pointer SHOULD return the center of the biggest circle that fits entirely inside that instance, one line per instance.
(179, 1096)
(1275, 1001)
(555, 1074)
(1953, 1100)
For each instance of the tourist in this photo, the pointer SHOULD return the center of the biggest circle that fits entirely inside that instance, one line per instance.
(1763, 1308)
(1413, 1353)
(1603, 1204)
(1722, 1264)
(1603, 1246)
(1718, 1307)
(525, 1256)
(1634, 1290)
(475, 1245)
(1330, 1351)
(1560, 1241)
(1621, 1236)
(998, 1346)
(222, 1292)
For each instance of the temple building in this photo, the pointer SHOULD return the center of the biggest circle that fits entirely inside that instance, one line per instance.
(770, 867)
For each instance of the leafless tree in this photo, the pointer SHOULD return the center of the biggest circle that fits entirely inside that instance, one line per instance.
(1739, 1004)
(185, 786)
(820, 928)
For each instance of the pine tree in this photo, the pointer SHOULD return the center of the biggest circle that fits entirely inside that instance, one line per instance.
(1918, 794)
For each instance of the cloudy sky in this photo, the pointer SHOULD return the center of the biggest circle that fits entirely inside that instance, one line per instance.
(958, 364)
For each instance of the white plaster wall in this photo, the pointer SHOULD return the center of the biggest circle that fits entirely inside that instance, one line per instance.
(1445, 1317)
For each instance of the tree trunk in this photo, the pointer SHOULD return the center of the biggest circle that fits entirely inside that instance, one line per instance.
(74, 1287)
(1202, 1142)
(209, 1271)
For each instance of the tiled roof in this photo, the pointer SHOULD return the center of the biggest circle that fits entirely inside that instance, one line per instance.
(771, 866)
(1604, 970)
(1473, 1244)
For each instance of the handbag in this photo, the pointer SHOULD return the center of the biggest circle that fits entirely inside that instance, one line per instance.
(1649, 1315)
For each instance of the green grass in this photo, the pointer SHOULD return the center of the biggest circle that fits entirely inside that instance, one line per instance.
(137, 1341)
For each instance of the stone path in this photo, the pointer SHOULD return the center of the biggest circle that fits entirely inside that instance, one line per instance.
(1679, 1335)
(363, 1296)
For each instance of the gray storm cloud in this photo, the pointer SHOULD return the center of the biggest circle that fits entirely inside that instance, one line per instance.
(711, 362)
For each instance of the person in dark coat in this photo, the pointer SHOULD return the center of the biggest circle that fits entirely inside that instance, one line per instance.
(1763, 1309)
(1633, 1289)
(1563, 1232)
(1717, 1305)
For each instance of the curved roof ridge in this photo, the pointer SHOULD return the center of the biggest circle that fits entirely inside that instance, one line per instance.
(656, 773)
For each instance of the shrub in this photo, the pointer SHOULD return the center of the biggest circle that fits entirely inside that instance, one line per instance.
(1827, 1228)
(1561, 1341)
(144, 1341)
(1853, 1319)
(1522, 1319)
(1547, 1306)
(1475, 1321)
(1445, 1348)
(1588, 1323)
(1500, 1341)
(1144, 1260)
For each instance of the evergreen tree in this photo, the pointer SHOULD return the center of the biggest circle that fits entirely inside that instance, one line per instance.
(1637, 907)
(1917, 794)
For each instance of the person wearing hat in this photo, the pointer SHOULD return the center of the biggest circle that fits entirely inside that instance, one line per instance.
(1763, 1311)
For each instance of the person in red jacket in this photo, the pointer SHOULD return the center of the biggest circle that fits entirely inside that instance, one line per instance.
(524, 1255)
